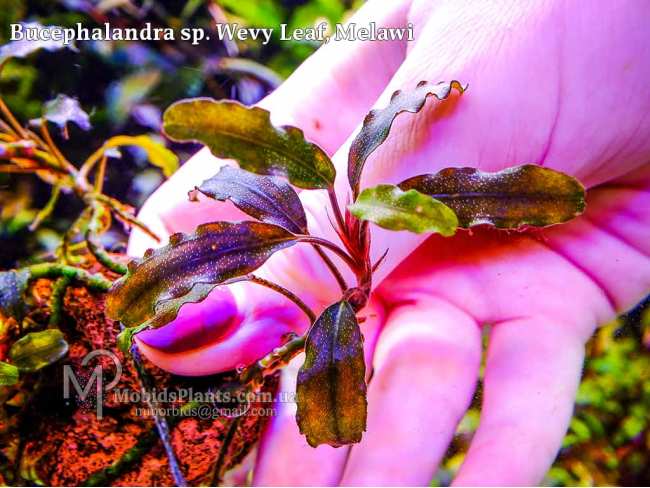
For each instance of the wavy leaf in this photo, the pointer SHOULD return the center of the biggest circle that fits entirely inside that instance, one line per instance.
(13, 284)
(23, 48)
(246, 135)
(522, 195)
(157, 153)
(37, 350)
(265, 198)
(156, 286)
(331, 387)
(377, 124)
(64, 109)
(394, 209)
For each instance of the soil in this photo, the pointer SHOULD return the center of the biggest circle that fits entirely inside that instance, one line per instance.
(63, 441)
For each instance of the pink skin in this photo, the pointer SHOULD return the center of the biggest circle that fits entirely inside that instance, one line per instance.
(560, 84)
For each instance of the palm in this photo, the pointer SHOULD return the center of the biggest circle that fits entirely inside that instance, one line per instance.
(538, 93)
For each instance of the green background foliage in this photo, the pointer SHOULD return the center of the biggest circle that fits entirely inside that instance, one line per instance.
(125, 86)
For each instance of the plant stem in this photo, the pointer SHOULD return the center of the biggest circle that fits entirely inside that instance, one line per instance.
(100, 175)
(145, 442)
(47, 210)
(11, 119)
(333, 247)
(56, 300)
(334, 202)
(100, 254)
(122, 214)
(91, 161)
(217, 469)
(45, 132)
(332, 267)
(161, 422)
(283, 291)
(254, 375)
(55, 270)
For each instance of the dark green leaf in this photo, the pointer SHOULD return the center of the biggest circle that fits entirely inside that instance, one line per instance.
(36, 350)
(522, 195)
(23, 48)
(13, 284)
(331, 388)
(394, 209)
(377, 124)
(156, 286)
(8, 374)
(64, 109)
(266, 198)
(245, 134)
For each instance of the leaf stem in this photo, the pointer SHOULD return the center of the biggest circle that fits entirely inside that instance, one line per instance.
(45, 132)
(100, 254)
(254, 375)
(91, 161)
(47, 210)
(123, 215)
(283, 291)
(333, 247)
(334, 202)
(12, 120)
(100, 175)
(332, 267)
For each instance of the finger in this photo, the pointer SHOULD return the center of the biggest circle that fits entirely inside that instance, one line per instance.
(233, 327)
(617, 225)
(532, 374)
(284, 457)
(425, 370)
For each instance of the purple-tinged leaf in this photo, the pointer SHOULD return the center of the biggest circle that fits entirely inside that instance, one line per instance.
(246, 135)
(64, 109)
(331, 387)
(266, 198)
(521, 195)
(13, 284)
(23, 48)
(156, 286)
(377, 124)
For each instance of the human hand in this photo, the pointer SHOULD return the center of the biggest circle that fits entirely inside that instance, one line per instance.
(562, 86)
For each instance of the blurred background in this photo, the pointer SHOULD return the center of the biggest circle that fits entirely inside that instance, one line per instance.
(125, 86)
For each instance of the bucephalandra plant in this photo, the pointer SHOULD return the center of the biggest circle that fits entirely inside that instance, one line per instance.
(331, 387)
